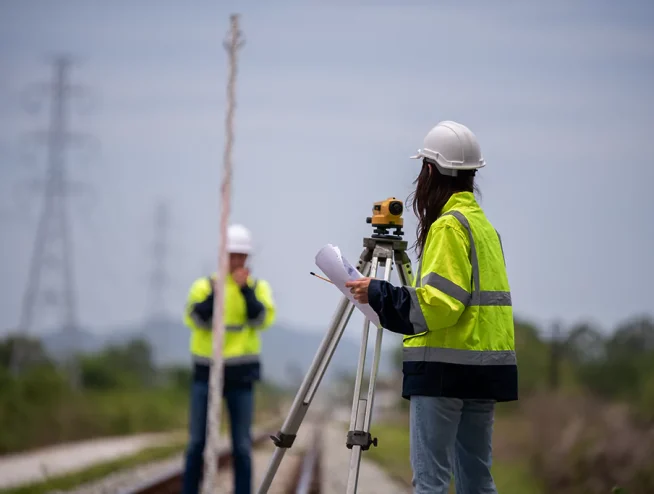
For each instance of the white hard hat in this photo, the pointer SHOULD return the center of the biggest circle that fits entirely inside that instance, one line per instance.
(452, 146)
(239, 240)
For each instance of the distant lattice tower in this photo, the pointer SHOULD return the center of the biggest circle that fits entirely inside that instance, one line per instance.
(50, 292)
(159, 278)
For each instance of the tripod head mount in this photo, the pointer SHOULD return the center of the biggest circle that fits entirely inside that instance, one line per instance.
(387, 214)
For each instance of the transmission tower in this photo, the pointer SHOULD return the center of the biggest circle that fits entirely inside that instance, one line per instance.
(51, 278)
(159, 278)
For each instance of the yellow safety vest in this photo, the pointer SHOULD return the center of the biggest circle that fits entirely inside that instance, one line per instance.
(461, 311)
(242, 342)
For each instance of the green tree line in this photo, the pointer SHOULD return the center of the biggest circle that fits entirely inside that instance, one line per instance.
(617, 366)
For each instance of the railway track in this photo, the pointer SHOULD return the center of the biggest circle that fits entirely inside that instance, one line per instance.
(308, 478)
(300, 472)
(170, 482)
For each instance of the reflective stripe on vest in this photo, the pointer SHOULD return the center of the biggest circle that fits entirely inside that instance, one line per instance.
(456, 356)
(237, 360)
(233, 328)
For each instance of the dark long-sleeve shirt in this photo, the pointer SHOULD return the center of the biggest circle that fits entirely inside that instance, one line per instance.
(204, 309)
(392, 304)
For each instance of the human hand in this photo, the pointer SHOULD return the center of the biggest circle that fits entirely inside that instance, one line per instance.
(359, 288)
(240, 276)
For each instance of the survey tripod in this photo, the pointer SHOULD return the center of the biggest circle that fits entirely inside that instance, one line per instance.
(381, 248)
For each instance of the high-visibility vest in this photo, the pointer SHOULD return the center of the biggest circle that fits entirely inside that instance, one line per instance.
(461, 310)
(242, 342)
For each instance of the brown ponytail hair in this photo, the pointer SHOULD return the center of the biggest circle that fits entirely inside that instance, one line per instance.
(433, 190)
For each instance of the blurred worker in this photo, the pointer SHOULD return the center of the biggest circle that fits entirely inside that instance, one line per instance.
(459, 353)
(248, 309)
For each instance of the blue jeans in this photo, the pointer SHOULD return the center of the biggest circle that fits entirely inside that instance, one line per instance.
(240, 406)
(449, 435)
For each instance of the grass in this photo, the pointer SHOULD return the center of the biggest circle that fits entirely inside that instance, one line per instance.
(30, 424)
(265, 410)
(96, 472)
(513, 477)
(510, 471)
(392, 451)
(30, 420)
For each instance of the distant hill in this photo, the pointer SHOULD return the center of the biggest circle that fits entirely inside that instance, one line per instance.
(57, 342)
(286, 355)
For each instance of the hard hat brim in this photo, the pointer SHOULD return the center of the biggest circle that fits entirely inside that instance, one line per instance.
(239, 251)
(449, 166)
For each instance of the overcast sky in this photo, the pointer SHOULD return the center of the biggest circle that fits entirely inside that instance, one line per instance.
(332, 100)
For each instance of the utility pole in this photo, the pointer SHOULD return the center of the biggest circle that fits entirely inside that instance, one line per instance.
(51, 278)
(159, 278)
(232, 45)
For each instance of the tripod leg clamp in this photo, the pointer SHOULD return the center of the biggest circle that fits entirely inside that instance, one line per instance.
(360, 438)
(282, 440)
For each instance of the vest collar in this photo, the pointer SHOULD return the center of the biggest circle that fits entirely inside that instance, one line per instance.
(459, 200)
(230, 280)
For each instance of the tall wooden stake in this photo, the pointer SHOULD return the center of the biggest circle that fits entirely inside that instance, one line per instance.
(232, 44)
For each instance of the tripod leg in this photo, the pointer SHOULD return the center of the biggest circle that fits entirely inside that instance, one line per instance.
(375, 361)
(403, 264)
(362, 360)
(359, 438)
(286, 436)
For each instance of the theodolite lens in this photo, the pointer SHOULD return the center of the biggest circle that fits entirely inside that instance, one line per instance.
(395, 207)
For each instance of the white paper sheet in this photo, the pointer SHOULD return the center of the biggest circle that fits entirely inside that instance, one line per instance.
(339, 271)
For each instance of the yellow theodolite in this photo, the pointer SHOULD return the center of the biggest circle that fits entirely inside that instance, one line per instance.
(387, 214)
